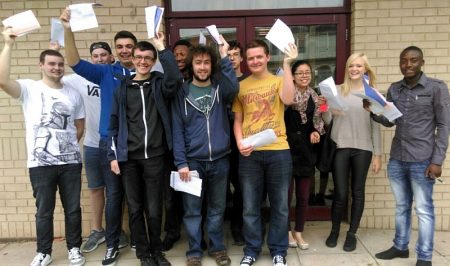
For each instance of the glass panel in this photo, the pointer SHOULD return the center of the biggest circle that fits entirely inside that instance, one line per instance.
(202, 5)
(192, 34)
(316, 44)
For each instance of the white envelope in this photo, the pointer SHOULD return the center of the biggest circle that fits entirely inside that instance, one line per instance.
(262, 138)
(193, 187)
(280, 35)
(153, 18)
(212, 29)
(57, 31)
(22, 23)
(82, 17)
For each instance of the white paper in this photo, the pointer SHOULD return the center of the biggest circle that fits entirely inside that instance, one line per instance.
(280, 35)
(279, 72)
(389, 110)
(262, 138)
(329, 91)
(201, 39)
(57, 32)
(82, 17)
(212, 29)
(193, 187)
(22, 23)
(153, 18)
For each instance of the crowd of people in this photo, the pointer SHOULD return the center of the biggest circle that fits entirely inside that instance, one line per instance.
(151, 110)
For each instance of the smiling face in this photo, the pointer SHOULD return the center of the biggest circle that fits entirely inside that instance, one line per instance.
(101, 56)
(302, 76)
(181, 53)
(52, 68)
(257, 60)
(124, 47)
(356, 69)
(143, 61)
(411, 63)
(201, 67)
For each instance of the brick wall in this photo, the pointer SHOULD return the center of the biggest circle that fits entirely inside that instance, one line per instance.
(381, 29)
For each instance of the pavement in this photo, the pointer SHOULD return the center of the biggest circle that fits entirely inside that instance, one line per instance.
(370, 242)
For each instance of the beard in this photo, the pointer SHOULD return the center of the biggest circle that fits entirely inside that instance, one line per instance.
(196, 77)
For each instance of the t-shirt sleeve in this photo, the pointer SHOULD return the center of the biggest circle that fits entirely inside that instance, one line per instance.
(25, 85)
(237, 106)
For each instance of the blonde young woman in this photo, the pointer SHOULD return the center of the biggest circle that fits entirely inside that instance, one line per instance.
(358, 140)
(304, 125)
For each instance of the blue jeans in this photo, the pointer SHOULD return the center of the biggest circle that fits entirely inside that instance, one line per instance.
(114, 197)
(274, 169)
(214, 190)
(408, 182)
(45, 180)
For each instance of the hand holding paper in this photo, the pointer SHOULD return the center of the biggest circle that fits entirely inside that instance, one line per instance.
(212, 29)
(153, 18)
(260, 139)
(22, 23)
(194, 186)
(281, 36)
(329, 91)
(82, 17)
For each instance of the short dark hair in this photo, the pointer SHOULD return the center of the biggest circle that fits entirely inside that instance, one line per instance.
(258, 43)
(299, 63)
(124, 34)
(182, 42)
(103, 45)
(234, 44)
(49, 52)
(412, 48)
(145, 46)
(202, 50)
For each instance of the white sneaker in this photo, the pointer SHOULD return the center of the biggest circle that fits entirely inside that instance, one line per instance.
(76, 258)
(41, 259)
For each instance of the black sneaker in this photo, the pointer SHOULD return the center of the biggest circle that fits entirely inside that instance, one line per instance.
(423, 263)
(350, 242)
(247, 261)
(392, 253)
(160, 259)
(279, 260)
(147, 262)
(331, 241)
(111, 256)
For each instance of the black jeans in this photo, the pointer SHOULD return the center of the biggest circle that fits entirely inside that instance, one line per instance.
(142, 181)
(173, 206)
(354, 164)
(45, 180)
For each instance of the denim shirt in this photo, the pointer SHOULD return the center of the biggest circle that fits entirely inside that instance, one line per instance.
(422, 132)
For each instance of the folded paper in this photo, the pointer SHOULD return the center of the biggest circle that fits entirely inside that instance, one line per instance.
(22, 23)
(280, 35)
(153, 18)
(82, 17)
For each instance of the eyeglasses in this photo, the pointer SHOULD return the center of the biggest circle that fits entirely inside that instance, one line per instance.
(146, 58)
(302, 74)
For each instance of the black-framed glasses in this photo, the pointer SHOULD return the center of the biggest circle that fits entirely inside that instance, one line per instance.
(302, 74)
(146, 58)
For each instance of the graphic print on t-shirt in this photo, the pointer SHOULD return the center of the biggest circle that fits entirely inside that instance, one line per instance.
(52, 143)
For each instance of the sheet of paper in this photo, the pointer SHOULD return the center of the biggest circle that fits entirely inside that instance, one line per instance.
(57, 32)
(279, 72)
(193, 187)
(212, 29)
(22, 23)
(153, 18)
(388, 110)
(280, 35)
(201, 38)
(329, 91)
(262, 138)
(82, 17)
(373, 93)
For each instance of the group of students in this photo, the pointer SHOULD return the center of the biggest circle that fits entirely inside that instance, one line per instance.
(187, 118)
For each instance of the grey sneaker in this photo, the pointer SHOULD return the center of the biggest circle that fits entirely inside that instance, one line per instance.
(76, 258)
(94, 239)
(41, 259)
(123, 240)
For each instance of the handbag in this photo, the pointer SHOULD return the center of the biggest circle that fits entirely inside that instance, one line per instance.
(327, 150)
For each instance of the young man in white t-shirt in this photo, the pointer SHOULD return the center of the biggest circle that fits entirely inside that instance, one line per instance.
(54, 120)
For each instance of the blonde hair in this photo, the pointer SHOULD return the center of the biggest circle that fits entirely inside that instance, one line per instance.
(345, 87)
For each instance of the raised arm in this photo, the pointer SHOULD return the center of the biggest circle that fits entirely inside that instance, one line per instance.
(72, 55)
(8, 85)
(288, 90)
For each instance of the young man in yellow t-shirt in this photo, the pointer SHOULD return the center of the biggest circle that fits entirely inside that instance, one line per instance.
(259, 106)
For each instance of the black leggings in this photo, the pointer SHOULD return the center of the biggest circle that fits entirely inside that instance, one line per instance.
(352, 163)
